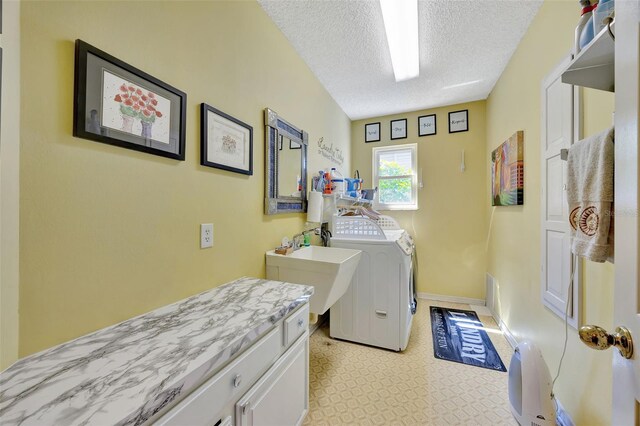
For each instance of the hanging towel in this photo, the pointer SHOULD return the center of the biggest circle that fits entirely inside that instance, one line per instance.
(590, 196)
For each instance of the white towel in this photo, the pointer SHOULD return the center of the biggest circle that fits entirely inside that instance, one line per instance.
(590, 196)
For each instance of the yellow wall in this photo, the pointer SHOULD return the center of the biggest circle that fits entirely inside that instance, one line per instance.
(107, 233)
(9, 183)
(514, 233)
(450, 223)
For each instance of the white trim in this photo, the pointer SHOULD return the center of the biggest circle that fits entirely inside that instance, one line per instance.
(413, 148)
(451, 299)
(505, 330)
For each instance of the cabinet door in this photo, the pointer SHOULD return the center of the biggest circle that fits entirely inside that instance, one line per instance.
(560, 128)
(281, 396)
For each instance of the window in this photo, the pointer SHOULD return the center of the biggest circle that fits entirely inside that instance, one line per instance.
(394, 174)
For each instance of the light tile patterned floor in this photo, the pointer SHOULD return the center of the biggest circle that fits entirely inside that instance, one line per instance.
(353, 384)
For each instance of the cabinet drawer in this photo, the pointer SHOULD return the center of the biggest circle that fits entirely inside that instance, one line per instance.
(296, 324)
(203, 406)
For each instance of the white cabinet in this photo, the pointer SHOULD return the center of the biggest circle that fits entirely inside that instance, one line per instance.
(277, 399)
(267, 384)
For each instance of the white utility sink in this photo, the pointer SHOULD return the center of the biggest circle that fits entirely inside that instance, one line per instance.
(328, 269)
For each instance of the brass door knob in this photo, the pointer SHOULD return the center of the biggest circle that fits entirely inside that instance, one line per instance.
(597, 338)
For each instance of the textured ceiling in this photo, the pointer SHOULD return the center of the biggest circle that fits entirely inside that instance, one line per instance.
(461, 41)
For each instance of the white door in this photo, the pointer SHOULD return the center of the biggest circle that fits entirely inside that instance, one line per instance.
(626, 373)
(560, 127)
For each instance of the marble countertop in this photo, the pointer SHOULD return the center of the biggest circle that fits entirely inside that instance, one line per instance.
(126, 373)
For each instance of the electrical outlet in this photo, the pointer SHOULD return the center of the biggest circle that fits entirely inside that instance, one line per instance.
(206, 235)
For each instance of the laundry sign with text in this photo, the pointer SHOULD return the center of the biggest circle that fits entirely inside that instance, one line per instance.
(330, 152)
(459, 336)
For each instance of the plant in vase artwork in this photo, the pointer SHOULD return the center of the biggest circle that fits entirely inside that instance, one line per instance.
(135, 104)
(135, 110)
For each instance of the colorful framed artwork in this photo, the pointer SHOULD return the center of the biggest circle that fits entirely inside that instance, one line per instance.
(427, 125)
(372, 132)
(459, 121)
(225, 142)
(507, 172)
(117, 104)
(399, 129)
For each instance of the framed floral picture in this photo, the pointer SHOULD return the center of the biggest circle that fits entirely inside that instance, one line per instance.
(226, 143)
(117, 104)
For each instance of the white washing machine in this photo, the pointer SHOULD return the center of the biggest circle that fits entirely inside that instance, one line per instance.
(379, 304)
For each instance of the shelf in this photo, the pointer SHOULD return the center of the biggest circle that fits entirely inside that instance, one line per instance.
(348, 200)
(594, 65)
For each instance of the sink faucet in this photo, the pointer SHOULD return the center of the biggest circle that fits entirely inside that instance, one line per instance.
(295, 241)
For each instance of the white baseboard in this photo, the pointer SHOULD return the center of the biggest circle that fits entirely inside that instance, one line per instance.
(451, 299)
(505, 330)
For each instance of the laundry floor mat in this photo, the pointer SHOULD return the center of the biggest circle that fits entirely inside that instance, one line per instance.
(459, 336)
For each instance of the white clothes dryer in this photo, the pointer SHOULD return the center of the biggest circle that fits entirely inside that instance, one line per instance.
(378, 307)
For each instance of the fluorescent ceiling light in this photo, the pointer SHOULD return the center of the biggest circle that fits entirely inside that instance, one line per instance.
(401, 24)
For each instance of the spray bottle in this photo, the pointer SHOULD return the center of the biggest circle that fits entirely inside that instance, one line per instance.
(327, 183)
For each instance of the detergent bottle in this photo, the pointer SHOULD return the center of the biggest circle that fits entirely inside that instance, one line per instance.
(584, 30)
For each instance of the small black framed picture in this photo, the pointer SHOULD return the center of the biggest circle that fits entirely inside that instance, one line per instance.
(399, 129)
(225, 142)
(459, 121)
(372, 132)
(427, 125)
(294, 145)
(117, 104)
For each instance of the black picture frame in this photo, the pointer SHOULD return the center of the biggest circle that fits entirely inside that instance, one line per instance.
(280, 143)
(427, 125)
(459, 121)
(398, 129)
(156, 127)
(294, 145)
(372, 132)
(225, 142)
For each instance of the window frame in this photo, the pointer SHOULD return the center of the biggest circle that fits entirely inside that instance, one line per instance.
(375, 155)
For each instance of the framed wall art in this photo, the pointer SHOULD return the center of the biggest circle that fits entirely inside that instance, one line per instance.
(372, 132)
(294, 145)
(117, 104)
(225, 142)
(459, 121)
(427, 125)
(399, 129)
(507, 172)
